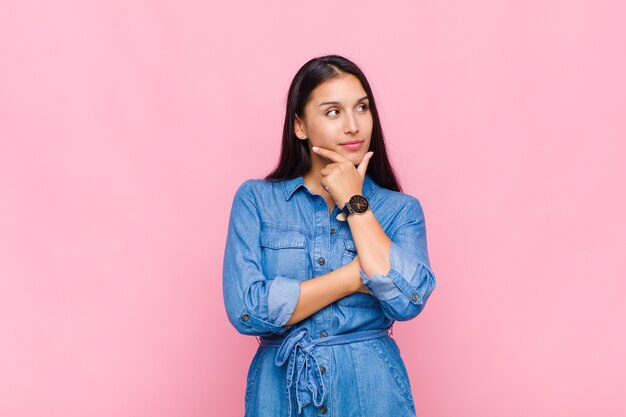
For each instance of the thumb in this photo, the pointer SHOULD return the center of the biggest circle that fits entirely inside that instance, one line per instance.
(363, 165)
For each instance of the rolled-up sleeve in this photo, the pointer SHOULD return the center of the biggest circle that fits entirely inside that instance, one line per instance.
(404, 290)
(255, 304)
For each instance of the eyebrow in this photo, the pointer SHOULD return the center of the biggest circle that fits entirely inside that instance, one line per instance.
(336, 102)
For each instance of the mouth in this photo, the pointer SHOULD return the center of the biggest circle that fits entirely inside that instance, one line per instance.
(353, 145)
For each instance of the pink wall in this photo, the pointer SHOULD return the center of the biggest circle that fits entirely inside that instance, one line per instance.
(125, 128)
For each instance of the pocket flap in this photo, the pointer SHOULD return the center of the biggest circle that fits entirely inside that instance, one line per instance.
(276, 238)
(349, 244)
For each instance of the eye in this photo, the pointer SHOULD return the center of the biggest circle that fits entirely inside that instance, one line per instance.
(328, 113)
(363, 106)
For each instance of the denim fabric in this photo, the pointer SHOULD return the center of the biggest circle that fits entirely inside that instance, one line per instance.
(279, 234)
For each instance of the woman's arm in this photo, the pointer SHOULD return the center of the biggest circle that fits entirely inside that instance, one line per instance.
(396, 270)
(317, 293)
(260, 305)
(371, 241)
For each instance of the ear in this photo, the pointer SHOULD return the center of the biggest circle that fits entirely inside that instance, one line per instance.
(298, 128)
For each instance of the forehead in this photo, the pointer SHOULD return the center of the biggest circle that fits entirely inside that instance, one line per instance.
(344, 88)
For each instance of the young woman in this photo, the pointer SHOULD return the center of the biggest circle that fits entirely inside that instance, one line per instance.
(323, 255)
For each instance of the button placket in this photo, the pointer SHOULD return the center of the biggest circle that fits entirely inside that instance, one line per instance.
(324, 235)
(320, 252)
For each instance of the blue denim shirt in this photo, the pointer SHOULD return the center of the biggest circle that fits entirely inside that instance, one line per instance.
(280, 234)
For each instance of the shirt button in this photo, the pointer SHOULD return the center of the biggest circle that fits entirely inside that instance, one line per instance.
(332, 231)
(245, 317)
(323, 370)
(321, 261)
(323, 333)
(323, 409)
(415, 297)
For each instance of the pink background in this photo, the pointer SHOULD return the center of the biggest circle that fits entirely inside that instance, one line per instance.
(126, 126)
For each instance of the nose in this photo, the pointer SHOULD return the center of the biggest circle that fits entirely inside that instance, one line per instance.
(351, 125)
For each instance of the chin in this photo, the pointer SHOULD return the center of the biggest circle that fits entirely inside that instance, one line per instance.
(356, 159)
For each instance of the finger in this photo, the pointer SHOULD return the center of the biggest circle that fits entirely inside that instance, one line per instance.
(332, 155)
(363, 165)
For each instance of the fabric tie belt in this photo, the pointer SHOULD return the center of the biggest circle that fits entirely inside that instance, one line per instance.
(298, 347)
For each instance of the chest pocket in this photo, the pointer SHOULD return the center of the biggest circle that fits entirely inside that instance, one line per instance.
(349, 251)
(357, 299)
(284, 252)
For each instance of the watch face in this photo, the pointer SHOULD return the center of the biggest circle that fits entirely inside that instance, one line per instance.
(359, 203)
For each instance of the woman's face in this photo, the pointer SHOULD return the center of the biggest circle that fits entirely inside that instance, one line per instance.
(336, 114)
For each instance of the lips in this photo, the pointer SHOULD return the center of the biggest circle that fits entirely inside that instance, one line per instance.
(353, 145)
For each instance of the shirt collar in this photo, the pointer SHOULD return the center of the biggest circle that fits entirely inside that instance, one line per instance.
(290, 186)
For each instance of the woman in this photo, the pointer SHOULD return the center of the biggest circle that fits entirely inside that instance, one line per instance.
(323, 255)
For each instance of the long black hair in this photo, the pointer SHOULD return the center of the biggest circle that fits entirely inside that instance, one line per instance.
(294, 154)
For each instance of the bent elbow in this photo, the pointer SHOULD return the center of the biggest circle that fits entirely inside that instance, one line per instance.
(410, 304)
(409, 312)
(264, 307)
(240, 322)
(250, 323)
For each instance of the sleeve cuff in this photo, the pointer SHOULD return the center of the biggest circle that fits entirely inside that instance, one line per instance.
(282, 299)
(394, 283)
(381, 286)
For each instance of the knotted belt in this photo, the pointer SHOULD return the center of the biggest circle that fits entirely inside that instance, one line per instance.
(298, 347)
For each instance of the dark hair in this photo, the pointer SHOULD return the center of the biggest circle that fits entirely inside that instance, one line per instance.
(294, 155)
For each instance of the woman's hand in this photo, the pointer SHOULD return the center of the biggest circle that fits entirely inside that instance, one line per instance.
(357, 266)
(340, 178)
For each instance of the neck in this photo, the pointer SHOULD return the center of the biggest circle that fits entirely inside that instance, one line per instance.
(313, 177)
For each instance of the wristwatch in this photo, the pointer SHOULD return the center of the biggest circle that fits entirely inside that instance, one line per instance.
(357, 204)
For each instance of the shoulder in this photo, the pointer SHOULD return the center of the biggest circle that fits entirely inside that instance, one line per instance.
(398, 201)
(252, 185)
(253, 189)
